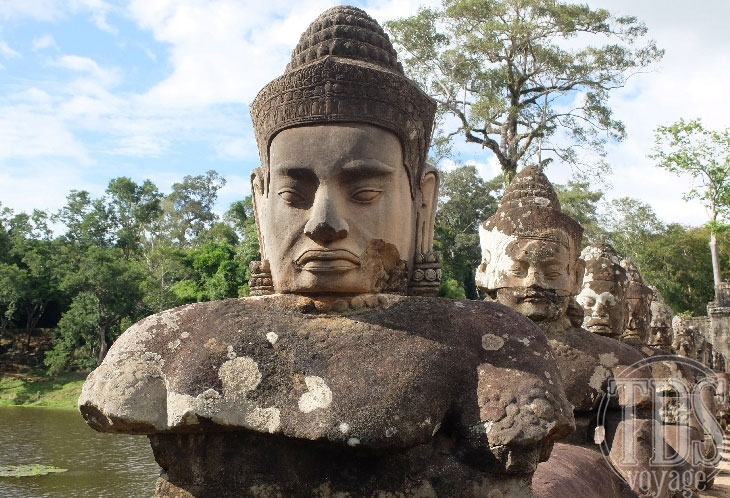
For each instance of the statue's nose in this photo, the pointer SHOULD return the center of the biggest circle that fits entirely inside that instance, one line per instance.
(534, 279)
(326, 223)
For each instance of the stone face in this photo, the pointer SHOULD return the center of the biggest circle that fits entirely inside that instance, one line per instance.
(604, 289)
(375, 379)
(660, 326)
(344, 228)
(638, 301)
(527, 245)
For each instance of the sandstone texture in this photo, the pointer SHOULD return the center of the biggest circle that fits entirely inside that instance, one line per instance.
(383, 377)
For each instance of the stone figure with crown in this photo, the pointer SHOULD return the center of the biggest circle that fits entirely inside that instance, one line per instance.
(341, 376)
(530, 262)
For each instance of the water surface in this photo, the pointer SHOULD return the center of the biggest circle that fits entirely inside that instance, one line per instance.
(99, 465)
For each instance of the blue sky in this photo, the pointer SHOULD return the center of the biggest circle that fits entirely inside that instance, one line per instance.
(94, 89)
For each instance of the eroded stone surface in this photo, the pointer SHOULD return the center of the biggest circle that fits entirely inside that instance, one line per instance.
(372, 379)
(383, 373)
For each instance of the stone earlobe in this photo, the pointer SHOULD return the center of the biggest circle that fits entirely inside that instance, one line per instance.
(260, 283)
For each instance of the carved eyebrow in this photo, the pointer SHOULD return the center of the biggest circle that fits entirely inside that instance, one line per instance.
(366, 167)
(294, 170)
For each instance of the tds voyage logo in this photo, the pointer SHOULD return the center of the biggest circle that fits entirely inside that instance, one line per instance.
(668, 402)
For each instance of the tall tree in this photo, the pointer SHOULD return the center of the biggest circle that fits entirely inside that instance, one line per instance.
(581, 203)
(508, 72)
(188, 210)
(630, 224)
(132, 209)
(116, 285)
(687, 148)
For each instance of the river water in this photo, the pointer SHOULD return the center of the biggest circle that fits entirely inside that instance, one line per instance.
(99, 465)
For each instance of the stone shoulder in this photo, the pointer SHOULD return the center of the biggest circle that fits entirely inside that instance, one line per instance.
(382, 373)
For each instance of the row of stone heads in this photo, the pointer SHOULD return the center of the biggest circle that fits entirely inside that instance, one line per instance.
(532, 262)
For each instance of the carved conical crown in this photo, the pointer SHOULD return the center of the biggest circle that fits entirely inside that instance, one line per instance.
(345, 70)
(603, 263)
(530, 208)
(530, 188)
(346, 32)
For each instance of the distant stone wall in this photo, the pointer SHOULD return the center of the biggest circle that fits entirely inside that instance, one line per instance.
(711, 333)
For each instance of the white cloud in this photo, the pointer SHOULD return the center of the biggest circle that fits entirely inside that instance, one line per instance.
(105, 76)
(7, 51)
(52, 10)
(236, 188)
(27, 132)
(221, 52)
(44, 42)
(689, 83)
(42, 10)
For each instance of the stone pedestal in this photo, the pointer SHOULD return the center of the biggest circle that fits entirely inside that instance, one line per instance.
(719, 313)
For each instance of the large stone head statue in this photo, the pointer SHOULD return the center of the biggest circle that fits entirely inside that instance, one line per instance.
(530, 250)
(344, 200)
(684, 338)
(603, 292)
(638, 304)
(660, 326)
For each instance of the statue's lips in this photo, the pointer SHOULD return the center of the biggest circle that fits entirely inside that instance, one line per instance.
(327, 260)
(598, 324)
(537, 295)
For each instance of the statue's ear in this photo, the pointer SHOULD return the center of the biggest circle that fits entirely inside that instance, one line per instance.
(427, 210)
(580, 269)
(258, 189)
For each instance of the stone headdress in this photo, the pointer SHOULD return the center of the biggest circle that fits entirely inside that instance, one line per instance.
(603, 263)
(529, 209)
(636, 289)
(345, 69)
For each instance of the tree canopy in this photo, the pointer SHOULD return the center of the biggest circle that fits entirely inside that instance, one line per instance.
(522, 78)
(687, 148)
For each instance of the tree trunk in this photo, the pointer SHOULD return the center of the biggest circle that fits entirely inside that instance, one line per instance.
(715, 259)
(713, 247)
(102, 343)
(31, 323)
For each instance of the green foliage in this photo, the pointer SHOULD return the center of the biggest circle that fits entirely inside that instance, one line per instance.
(76, 336)
(132, 210)
(678, 263)
(452, 289)
(687, 148)
(581, 203)
(241, 216)
(465, 201)
(125, 255)
(188, 210)
(505, 69)
(670, 257)
(630, 224)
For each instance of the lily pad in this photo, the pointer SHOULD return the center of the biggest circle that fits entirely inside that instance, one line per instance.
(28, 470)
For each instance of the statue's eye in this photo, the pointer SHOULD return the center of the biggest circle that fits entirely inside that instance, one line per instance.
(366, 195)
(291, 196)
(553, 274)
(519, 269)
